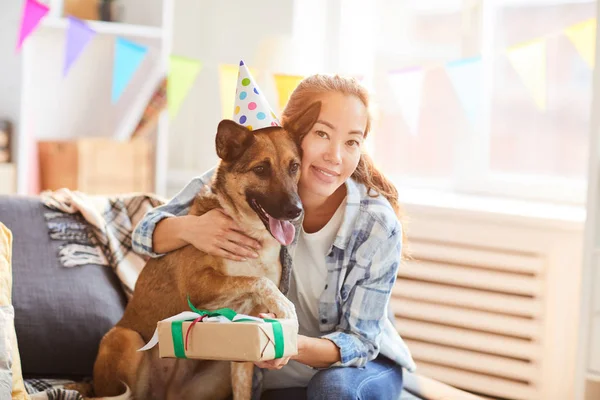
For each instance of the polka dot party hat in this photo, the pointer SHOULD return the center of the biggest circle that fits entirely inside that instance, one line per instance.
(251, 109)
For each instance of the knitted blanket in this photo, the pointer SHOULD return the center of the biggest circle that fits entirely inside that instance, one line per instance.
(102, 232)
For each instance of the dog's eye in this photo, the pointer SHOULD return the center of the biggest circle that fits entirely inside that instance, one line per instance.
(260, 170)
(294, 168)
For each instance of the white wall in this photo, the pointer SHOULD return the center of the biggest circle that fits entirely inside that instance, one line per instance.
(10, 64)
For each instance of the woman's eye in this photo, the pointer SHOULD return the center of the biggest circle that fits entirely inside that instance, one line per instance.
(294, 167)
(321, 134)
(353, 143)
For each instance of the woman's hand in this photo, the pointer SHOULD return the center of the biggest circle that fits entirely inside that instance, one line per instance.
(271, 364)
(217, 234)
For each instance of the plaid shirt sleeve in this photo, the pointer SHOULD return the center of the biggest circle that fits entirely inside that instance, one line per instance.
(178, 206)
(368, 287)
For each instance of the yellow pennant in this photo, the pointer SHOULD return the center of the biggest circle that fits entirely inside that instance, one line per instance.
(583, 36)
(285, 86)
(529, 60)
(182, 74)
(228, 75)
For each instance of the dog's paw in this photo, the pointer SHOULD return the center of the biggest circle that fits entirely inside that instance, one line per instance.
(274, 300)
(283, 308)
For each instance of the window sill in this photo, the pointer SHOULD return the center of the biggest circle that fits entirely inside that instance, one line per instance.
(502, 210)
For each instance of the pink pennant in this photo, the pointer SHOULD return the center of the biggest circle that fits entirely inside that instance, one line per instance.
(33, 12)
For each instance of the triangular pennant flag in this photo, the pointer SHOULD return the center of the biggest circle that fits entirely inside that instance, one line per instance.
(128, 57)
(467, 78)
(407, 86)
(529, 60)
(182, 73)
(583, 36)
(33, 12)
(285, 86)
(79, 34)
(228, 75)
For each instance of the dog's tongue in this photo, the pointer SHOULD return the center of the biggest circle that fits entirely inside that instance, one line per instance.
(283, 231)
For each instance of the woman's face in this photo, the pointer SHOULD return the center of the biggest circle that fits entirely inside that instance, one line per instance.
(331, 149)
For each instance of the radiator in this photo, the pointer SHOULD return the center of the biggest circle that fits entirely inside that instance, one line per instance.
(472, 316)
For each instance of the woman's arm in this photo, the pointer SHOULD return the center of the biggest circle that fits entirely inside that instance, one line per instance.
(168, 227)
(143, 236)
(317, 352)
(364, 311)
(213, 233)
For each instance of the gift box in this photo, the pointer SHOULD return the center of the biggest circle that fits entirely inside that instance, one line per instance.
(224, 335)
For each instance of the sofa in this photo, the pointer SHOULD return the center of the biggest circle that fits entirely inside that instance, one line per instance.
(62, 313)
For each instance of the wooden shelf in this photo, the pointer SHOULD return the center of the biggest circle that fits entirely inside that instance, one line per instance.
(53, 106)
(593, 376)
(109, 28)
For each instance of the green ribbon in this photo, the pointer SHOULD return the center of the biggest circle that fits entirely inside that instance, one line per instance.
(177, 333)
(178, 336)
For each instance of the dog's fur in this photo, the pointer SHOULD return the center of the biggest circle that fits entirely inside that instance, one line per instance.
(211, 282)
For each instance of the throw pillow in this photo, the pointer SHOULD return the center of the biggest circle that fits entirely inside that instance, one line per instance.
(10, 338)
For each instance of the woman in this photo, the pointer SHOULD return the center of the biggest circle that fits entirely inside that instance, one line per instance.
(345, 256)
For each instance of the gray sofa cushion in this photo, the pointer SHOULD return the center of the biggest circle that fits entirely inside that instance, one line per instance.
(60, 313)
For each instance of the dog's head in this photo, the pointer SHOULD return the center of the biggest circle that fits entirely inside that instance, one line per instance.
(258, 174)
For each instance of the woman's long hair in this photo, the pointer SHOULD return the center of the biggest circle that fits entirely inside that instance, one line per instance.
(307, 92)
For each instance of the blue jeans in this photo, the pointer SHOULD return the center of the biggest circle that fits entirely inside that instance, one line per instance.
(380, 379)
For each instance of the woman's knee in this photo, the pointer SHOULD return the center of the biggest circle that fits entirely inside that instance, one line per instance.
(332, 383)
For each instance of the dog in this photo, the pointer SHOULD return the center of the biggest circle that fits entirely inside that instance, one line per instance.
(256, 183)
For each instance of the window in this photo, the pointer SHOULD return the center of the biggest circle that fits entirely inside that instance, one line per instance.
(521, 130)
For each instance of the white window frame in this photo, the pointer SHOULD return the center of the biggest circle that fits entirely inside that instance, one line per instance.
(473, 173)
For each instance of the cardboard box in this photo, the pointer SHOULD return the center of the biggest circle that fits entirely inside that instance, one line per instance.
(235, 341)
(82, 9)
(8, 178)
(97, 165)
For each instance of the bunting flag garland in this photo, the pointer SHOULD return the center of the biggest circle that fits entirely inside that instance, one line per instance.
(529, 60)
(33, 12)
(128, 57)
(79, 34)
(583, 36)
(467, 79)
(407, 86)
(285, 86)
(182, 74)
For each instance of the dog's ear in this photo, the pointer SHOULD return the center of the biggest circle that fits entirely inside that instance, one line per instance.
(303, 123)
(232, 140)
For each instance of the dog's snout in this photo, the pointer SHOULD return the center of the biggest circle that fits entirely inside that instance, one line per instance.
(292, 210)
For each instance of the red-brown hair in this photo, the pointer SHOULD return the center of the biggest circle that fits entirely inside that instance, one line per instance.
(308, 92)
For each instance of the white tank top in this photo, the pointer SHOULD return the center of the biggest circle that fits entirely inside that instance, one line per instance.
(309, 274)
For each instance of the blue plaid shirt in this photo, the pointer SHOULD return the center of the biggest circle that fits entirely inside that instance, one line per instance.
(362, 265)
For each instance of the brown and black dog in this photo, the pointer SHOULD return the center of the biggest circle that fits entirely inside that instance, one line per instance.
(256, 184)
